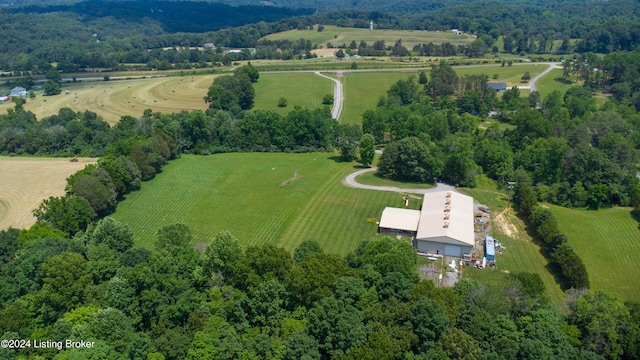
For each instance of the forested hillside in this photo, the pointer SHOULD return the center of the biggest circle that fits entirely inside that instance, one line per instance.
(94, 35)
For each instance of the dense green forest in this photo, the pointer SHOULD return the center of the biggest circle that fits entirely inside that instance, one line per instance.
(265, 303)
(95, 35)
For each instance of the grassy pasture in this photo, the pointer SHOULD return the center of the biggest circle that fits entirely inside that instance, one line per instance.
(339, 35)
(608, 241)
(300, 89)
(114, 99)
(363, 89)
(25, 182)
(242, 193)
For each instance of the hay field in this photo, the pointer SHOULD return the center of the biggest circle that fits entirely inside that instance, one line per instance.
(25, 182)
(339, 35)
(116, 98)
(242, 193)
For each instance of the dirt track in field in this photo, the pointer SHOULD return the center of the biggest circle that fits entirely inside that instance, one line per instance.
(25, 182)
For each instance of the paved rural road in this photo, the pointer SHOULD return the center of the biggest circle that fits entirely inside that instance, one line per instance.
(532, 83)
(350, 181)
(337, 96)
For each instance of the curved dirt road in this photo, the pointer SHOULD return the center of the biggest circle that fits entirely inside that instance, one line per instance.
(350, 181)
(337, 96)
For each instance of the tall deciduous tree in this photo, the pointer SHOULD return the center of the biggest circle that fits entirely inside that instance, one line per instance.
(444, 81)
(68, 213)
(367, 149)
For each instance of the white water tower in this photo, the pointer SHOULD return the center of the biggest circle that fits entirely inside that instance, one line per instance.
(371, 25)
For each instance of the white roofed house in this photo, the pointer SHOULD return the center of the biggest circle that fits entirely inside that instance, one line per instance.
(443, 226)
(18, 91)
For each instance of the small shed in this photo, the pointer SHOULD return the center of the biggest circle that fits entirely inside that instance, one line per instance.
(498, 87)
(398, 221)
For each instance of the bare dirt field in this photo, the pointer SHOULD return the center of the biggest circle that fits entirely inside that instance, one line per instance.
(25, 182)
(114, 99)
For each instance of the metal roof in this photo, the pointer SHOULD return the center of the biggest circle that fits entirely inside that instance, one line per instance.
(447, 216)
(401, 219)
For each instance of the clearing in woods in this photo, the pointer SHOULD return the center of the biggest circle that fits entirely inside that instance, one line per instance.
(300, 89)
(25, 182)
(243, 193)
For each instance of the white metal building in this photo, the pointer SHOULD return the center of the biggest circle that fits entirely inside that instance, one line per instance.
(444, 225)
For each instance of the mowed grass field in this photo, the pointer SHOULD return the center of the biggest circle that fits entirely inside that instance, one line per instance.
(553, 81)
(363, 89)
(114, 99)
(242, 193)
(339, 35)
(608, 241)
(25, 182)
(300, 89)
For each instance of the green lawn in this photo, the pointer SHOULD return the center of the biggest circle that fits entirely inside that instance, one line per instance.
(608, 241)
(300, 89)
(242, 193)
(508, 74)
(362, 91)
(372, 178)
(553, 81)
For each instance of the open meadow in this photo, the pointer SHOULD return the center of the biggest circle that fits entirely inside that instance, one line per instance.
(608, 241)
(339, 35)
(363, 89)
(114, 99)
(300, 89)
(25, 182)
(259, 198)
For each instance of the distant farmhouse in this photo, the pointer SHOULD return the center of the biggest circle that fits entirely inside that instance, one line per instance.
(443, 226)
(209, 46)
(456, 31)
(18, 91)
(498, 87)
